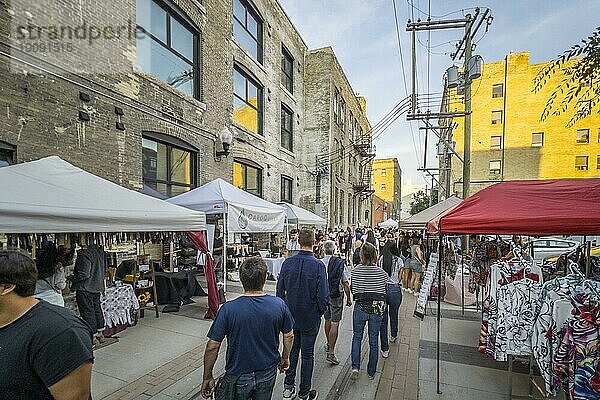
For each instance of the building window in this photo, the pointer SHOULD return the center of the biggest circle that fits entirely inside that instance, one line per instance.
(383, 186)
(168, 49)
(286, 189)
(537, 139)
(248, 178)
(583, 136)
(168, 168)
(598, 135)
(498, 90)
(495, 166)
(350, 209)
(247, 28)
(287, 70)
(247, 101)
(496, 117)
(336, 94)
(7, 154)
(383, 172)
(343, 113)
(496, 143)
(581, 163)
(287, 128)
(598, 161)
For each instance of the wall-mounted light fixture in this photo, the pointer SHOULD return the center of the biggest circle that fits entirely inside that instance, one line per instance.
(84, 116)
(84, 96)
(226, 139)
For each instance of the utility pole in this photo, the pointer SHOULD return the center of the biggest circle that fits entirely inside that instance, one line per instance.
(467, 140)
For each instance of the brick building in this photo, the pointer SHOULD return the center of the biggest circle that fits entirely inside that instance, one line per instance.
(138, 92)
(337, 141)
(387, 183)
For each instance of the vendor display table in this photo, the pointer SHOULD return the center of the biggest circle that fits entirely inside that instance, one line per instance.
(177, 287)
(274, 265)
(118, 305)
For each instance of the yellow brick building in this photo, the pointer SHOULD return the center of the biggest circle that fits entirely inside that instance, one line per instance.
(387, 182)
(509, 141)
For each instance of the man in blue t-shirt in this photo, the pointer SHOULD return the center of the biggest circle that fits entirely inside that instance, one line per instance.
(252, 324)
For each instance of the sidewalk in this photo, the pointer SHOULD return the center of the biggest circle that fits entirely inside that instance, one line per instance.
(161, 358)
(397, 376)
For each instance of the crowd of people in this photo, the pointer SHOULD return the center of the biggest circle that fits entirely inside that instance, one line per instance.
(366, 269)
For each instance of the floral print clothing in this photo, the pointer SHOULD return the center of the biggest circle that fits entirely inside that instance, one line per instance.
(516, 305)
(545, 331)
(576, 360)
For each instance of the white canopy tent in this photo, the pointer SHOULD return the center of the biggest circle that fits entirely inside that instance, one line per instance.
(388, 223)
(300, 216)
(242, 212)
(52, 196)
(420, 219)
(246, 212)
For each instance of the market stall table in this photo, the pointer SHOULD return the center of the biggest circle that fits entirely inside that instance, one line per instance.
(274, 265)
(118, 307)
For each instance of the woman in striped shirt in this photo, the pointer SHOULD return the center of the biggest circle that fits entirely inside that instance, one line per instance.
(368, 284)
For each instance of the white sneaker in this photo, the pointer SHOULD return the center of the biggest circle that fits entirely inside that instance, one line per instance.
(393, 339)
(385, 354)
(289, 394)
(354, 374)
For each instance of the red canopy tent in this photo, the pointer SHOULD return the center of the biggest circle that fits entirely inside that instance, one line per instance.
(542, 207)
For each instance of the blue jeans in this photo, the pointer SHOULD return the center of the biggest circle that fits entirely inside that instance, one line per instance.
(359, 319)
(304, 342)
(394, 299)
(256, 385)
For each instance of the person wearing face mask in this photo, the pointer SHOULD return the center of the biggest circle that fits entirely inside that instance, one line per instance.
(46, 349)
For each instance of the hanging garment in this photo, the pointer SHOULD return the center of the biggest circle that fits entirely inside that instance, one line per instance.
(577, 356)
(516, 305)
(544, 326)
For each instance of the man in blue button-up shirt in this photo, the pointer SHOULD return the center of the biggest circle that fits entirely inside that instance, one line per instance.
(303, 285)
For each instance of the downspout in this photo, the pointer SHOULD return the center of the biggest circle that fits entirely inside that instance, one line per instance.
(504, 115)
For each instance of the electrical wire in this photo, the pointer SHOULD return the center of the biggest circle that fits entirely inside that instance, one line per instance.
(412, 134)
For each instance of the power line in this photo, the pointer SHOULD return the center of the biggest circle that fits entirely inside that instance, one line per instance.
(412, 134)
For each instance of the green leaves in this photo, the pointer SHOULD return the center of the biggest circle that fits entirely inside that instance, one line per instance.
(581, 82)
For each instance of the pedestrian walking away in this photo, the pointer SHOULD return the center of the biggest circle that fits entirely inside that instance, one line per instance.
(252, 325)
(88, 284)
(417, 264)
(338, 279)
(392, 264)
(303, 285)
(46, 351)
(368, 286)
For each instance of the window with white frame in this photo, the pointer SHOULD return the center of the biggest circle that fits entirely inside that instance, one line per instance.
(496, 142)
(537, 139)
(496, 117)
(581, 163)
(495, 166)
(583, 136)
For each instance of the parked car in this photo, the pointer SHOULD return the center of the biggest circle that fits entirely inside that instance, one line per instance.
(546, 247)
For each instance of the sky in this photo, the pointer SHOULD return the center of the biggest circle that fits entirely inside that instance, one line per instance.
(363, 36)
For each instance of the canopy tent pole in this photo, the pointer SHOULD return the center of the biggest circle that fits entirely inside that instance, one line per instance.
(439, 307)
(225, 237)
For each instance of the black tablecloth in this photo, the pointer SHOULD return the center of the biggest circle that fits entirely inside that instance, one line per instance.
(177, 287)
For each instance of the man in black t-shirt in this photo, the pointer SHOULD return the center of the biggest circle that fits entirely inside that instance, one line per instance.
(45, 350)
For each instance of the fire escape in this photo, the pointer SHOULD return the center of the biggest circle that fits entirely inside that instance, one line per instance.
(362, 183)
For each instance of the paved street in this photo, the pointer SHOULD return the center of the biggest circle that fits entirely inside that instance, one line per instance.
(397, 377)
(162, 359)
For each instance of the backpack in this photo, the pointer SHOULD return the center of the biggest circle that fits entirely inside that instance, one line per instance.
(335, 269)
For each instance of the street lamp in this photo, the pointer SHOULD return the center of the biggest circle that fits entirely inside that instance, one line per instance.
(226, 139)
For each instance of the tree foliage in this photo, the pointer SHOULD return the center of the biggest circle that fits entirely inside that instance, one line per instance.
(421, 201)
(581, 82)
